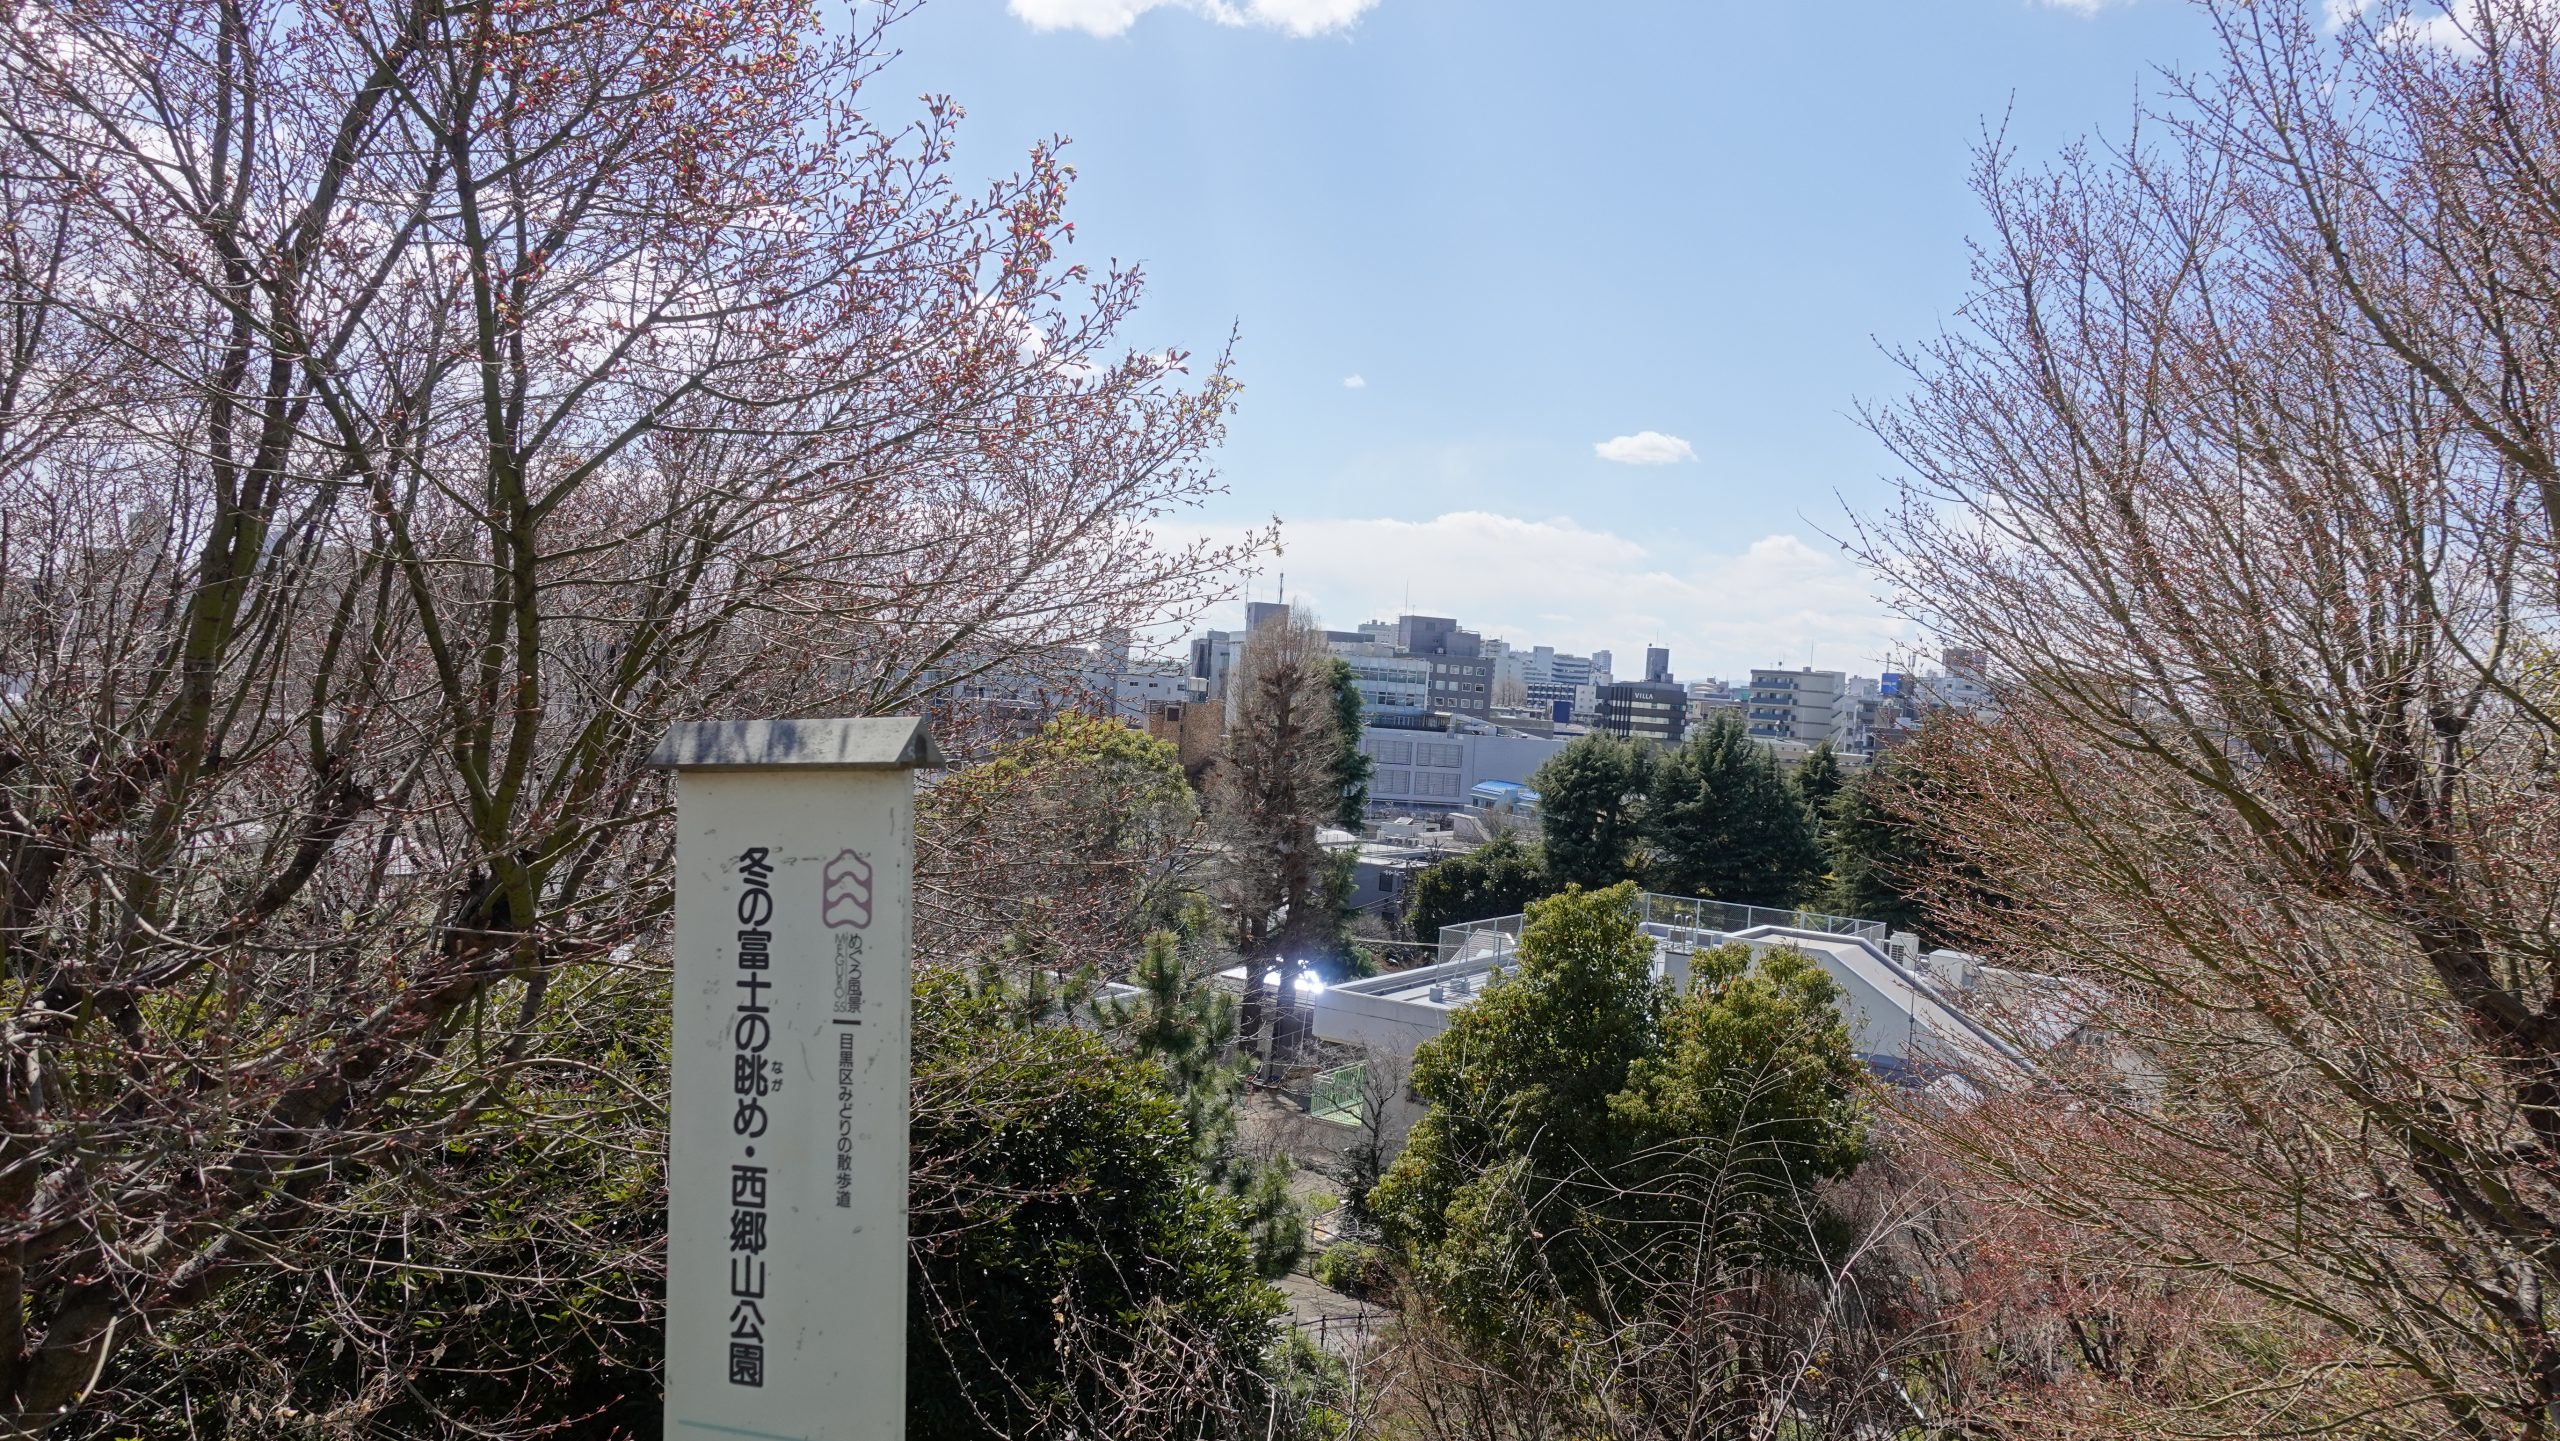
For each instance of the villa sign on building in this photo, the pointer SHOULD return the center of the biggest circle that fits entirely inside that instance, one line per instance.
(787, 1145)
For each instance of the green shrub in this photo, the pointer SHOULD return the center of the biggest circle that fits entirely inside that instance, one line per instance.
(1354, 1269)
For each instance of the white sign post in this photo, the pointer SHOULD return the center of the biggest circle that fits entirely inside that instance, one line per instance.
(787, 1144)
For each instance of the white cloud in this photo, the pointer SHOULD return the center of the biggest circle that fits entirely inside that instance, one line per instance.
(1355, 381)
(2449, 25)
(1114, 17)
(1645, 447)
(2082, 7)
(1558, 583)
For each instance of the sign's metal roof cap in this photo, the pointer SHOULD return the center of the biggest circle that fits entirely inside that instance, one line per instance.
(869, 743)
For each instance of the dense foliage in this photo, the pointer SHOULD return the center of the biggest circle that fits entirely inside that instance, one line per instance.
(1351, 765)
(1713, 818)
(1064, 845)
(513, 1282)
(408, 412)
(1591, 800)
(1188, 1028)
(2241, 465)
(1063, 1233)
(1498, 878)
(1593, 1131)
(1724, 823)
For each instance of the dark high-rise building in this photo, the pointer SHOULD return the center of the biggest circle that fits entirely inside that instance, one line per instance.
(1657, 664)
(1643, 710)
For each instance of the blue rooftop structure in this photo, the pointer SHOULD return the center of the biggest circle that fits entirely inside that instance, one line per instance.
(1507, 797)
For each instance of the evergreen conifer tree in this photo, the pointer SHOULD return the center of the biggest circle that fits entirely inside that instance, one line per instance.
(1819, 779)
(1351, 766)
(1189, 1030)
(1591, 806)
(1725, 824)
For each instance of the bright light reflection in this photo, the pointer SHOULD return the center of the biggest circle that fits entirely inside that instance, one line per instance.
(1309, 981)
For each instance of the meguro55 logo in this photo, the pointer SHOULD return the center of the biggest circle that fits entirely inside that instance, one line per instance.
(847, 892)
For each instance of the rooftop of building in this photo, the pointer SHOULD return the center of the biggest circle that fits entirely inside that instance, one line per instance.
(1919, 1016)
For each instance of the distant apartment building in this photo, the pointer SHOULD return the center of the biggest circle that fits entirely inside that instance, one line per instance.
(1547, 695)
(1601, 672)
(1142, 686)
(1709, 699)
(1213, 658)
(1906, 698)
(1195, 730)
(1657, 665)
(1964, 684)
(1541, 665)
(1436, 635)
(1462, 687)
(1806, 708)
(1434, 762)
(1461, 674)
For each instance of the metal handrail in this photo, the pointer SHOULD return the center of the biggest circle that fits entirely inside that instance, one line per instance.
(1500, 935)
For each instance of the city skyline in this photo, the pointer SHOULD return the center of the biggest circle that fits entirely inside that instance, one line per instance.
(1559, 319)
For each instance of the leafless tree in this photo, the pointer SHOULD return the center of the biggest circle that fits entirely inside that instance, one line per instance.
(407, 411)
(2242, 471)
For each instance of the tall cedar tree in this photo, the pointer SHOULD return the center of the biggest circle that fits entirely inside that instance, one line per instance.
(1351, 765)
(1725, 824)
(1276, 784)
(1591, 808)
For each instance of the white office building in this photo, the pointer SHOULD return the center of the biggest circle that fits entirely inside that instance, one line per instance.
(1386, 680)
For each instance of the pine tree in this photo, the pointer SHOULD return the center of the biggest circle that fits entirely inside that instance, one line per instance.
(1189, 1029)
(1874, 853)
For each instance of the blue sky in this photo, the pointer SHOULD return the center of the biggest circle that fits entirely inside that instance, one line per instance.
(1528, 230)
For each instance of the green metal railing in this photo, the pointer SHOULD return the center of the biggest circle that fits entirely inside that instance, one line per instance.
(1340, 1095)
